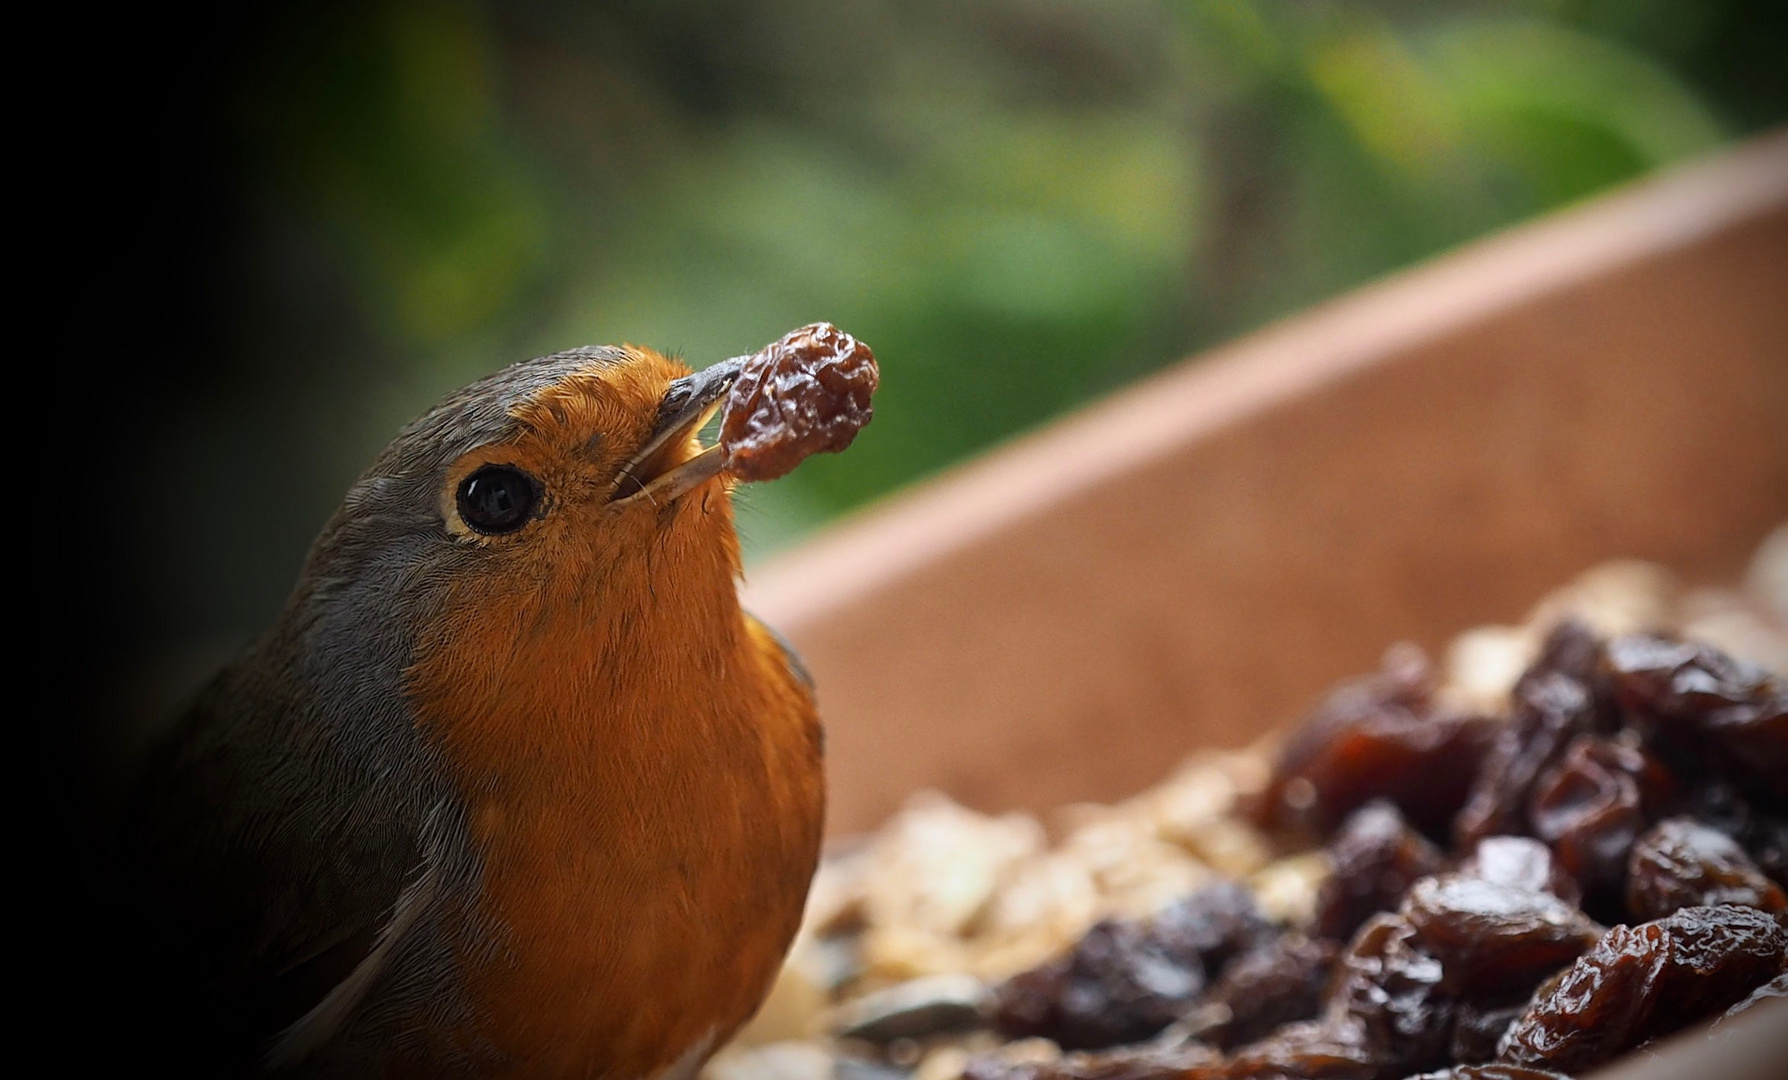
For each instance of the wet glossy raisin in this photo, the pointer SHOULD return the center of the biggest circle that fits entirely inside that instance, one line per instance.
(803, 394)
(1680, 863)
(1377, 737)
(1642, 982)
(1554, 702)
(1376, 856)
(1393, 988)
(1591, 806)
(1764, 836)
(1521, 862)
(1703, 709)
(1309, 1050)
(1491, 939)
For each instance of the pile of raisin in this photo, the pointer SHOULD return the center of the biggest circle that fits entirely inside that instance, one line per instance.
(1527, 896)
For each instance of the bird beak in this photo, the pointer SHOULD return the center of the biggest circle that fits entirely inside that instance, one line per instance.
(660, 471)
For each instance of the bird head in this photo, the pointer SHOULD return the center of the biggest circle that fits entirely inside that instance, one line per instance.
(564, 493)
(570, 464)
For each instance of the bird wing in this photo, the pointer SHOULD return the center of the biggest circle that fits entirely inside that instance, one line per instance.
(330, 1016)
(278, 878)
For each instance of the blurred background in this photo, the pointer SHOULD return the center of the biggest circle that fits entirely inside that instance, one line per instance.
(313, 220)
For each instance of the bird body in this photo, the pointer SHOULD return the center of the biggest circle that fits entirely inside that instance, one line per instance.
(513, 786)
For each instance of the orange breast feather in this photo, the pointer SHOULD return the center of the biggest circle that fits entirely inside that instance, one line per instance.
(642, 776)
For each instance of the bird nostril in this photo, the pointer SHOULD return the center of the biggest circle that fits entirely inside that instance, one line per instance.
(676, 399)
(695, 391)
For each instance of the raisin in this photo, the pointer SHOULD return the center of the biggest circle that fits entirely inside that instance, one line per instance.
(1214, 924)
(1392, 988)
(1185, 1061)
(1642, 982)
(1573, 650)
(1554, 702)
(1681, 863)
(1495, 1070)
(1125, 980)
(803, 394)
(1764, 836)
(1478, 1027)
(1591, 806)
(1705, 710)
(1523, 863)
(1722, 954)
(1494, 939)
(1381, 736)
(1310, 1050)
(1270, 986)
(1375, 857)
(1117, 985)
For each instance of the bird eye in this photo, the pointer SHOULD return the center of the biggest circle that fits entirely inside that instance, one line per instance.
(497, 499)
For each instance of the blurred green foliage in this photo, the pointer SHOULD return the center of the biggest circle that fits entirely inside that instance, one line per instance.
(1019, 203)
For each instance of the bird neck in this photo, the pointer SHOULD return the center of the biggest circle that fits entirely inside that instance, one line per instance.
(570, 666)
(642, 783)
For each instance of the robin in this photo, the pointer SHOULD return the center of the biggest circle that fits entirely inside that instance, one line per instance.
(512, 785)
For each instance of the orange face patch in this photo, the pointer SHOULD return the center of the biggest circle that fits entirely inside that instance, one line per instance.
(573, 438)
